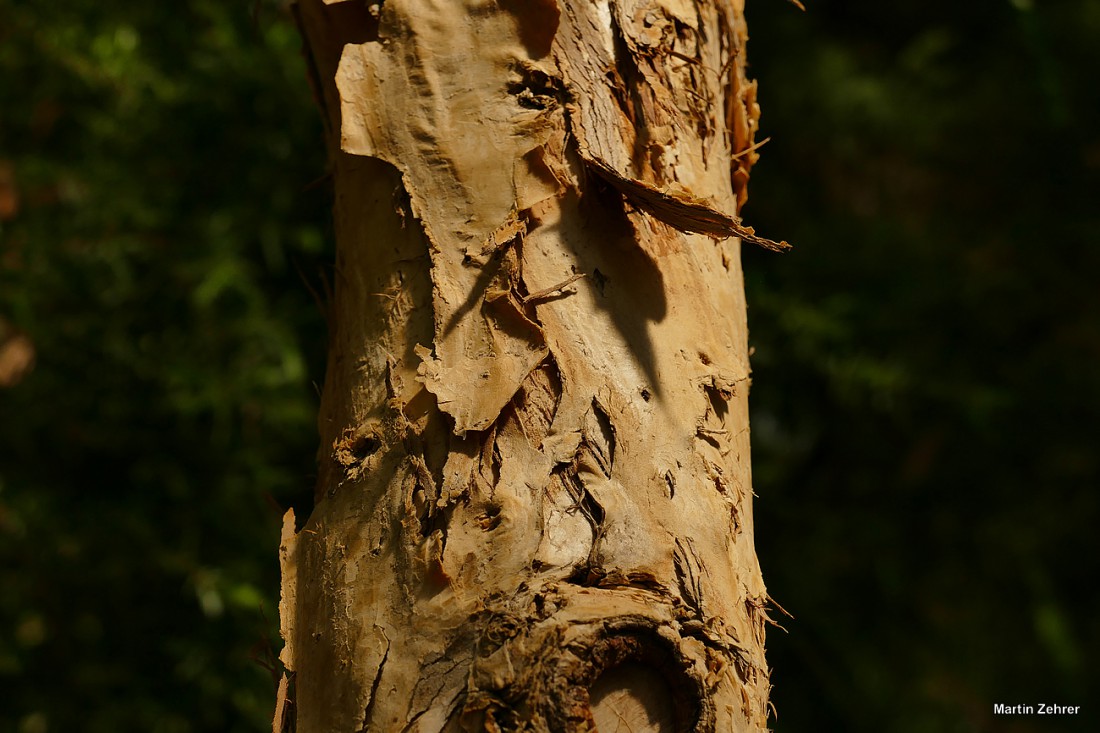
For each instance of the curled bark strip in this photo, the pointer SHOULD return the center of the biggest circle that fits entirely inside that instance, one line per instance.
(683, 211)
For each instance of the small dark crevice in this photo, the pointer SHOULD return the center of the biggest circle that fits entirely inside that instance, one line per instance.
(424, 507)
(353, 451)
(596, 515)
(438, 521)
(369, 711)
(622, 97)
(430, 517)
(489, 519)
(402, 206)
(719, 401)
(709, 438)
(583, 500)
(495, 463)
(365, 446)
(671, 483)
(535, 89)
(412, 723)
(607, 432)
(717, 479)
(640, 580)
(383, 540)
(719, 485)
(586, 576)
(600, 280)
(589, 573)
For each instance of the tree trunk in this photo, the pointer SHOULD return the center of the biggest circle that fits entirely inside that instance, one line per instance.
(534, 504)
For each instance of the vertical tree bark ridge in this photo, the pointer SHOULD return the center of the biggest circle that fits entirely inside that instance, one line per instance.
(525, 505)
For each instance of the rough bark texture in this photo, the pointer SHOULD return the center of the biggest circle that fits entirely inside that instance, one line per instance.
(534, 504)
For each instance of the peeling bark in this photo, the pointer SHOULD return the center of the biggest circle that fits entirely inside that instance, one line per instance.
(534, 499)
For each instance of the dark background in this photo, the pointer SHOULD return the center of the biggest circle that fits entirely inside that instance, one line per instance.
(925, 396)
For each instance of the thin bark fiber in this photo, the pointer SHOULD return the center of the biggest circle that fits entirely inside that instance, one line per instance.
(534, 503)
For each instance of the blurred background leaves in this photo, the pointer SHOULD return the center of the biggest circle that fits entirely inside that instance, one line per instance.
(157, 231)
(925, 395)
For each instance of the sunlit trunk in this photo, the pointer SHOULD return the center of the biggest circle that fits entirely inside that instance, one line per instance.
(534, 503)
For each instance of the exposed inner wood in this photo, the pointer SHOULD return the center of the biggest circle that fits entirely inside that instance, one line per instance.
(632, 699)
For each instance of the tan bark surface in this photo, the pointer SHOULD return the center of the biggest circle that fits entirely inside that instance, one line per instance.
(534, 505)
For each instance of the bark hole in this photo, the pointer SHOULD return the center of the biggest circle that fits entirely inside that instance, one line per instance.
(490, 518)
(354, 450)
(535, 89)
(641, 685)
(364, 447)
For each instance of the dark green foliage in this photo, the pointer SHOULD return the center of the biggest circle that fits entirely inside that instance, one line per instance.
(161, 155)
(925, 397)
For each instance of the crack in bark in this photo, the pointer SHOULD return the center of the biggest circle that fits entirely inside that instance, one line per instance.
(536, 403)
(369, 710)
(686, 563)
(603, 442)
(459, 657)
